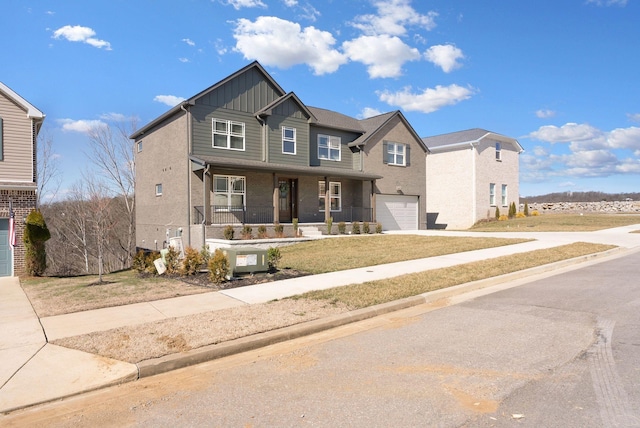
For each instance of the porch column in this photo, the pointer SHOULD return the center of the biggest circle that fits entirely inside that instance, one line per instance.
(206, 195)
(276, 200)
(373, 202)
(327, 200)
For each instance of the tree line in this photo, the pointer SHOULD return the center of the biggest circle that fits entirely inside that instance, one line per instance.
(580, 197)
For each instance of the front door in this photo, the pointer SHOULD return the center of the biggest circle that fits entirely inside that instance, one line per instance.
(5, 248)
(288, 199)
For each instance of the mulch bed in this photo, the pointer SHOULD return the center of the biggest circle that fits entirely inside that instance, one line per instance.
(202, 278)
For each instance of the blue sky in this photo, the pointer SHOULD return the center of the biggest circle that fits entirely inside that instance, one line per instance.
(560, 76)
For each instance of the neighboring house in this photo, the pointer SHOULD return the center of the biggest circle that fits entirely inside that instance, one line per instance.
(470, 174)
(244, 151)
(20, 123)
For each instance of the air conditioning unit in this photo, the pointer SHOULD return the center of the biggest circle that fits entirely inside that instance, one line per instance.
(246, 259)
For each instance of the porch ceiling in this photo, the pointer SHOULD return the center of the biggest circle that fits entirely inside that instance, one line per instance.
(235, 164)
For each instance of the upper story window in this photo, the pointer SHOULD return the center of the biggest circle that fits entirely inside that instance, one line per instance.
(335, 195)
(329, 147)
(228, 134)
(395, 153)
(498, 151)
(159, 189)
(492, 194)
(289, 140)
(504, 195)
(229, 192)
(139, 146)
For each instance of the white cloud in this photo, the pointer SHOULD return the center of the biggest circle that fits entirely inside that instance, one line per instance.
(430, 100)
(182, 59)
(170, 100)
(280, 43)
(78, 33)
(189, 42)
(368, 112)
(114, 117)
(621, 3)
(239, 4)
(290, 3)
(393, 17)
(625, 138)
(634, 117)
(384, 55)
(545, 113)
(81, 126)
(445, 57)
(569, 132)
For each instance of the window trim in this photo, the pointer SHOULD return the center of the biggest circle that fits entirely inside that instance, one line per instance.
(394, 146)
(229, 193)
(498, 151)
(229, 133)
(158, 189)
(504, 196)
(139, 146)
(492, 194)
(289, 140)
(338, 197)
(329, 148)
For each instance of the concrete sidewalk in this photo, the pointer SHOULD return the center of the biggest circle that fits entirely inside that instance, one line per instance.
(34, 371)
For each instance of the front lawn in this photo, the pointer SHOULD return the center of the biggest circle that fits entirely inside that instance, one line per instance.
(558, 223)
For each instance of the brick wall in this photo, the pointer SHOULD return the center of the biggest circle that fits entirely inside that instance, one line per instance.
(23, 202)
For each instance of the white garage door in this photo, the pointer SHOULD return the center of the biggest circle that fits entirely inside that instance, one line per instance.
(397, 212)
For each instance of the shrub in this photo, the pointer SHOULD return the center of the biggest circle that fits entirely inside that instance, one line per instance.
(503, 218)
(205, 254)
(526, 209)
(295, 227)
(218, 267)
(273, 258)
(512, 210)
(228, 232)
(355, 228)
(192, 261)
(342, 228)
(279, 230)
(262, 231)
(378, 227)
(35, 235)
(172, 260)
(247, 232)
(497, 215)
(535, 213)
(365, 228)
(520, 215)
(329, 225)
(139, 262)
(149, 262)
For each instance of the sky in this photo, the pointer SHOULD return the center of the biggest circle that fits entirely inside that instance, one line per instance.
(560, 76)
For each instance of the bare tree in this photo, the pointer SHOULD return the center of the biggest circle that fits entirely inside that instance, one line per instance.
(111, 151)
(49, 175)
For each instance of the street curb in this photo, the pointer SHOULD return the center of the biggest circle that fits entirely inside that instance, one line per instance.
(171, 362)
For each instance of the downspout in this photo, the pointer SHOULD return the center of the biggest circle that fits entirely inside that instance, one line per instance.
(474, 186)
(265, 136)
(189, 142)
(205, 203)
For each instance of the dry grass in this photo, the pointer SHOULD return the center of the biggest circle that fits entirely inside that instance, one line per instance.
(342, 253)
(559, 223)
(376, 292)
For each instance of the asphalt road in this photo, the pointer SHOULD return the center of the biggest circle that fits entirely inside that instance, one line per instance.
(559, 352)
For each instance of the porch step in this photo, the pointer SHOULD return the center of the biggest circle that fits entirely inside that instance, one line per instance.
(309, 231)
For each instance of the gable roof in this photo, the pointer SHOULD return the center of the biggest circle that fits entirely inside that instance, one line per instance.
(268, 109)
(372, 125)
(191, 101)
(472, 137)
(32, 112)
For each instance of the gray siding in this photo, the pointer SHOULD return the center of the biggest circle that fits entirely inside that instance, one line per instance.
(346, 156)
(293, 118)
(17, 159)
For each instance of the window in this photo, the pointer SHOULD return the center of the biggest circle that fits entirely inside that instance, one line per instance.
(328, 147)
(289, 140)
(228, 134)
(504, 195)
(498, 151)
(139, 146)
(158, 189)
(492, 194)
(395, 154)
(228, 192)
(335, 196)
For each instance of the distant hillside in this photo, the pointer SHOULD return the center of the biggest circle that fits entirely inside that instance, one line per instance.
(580, 197)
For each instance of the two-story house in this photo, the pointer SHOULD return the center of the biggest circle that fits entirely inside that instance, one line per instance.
(20, 123)
(470, 174)
(244, 151)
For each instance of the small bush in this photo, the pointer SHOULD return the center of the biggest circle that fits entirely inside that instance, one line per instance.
(139, 262)
(149, 262)
(520, 215)
(503, 218)
(497, 215)
(329, 225)
(205, 254)
(378, 227)
(355, 228)
(172, 261)
(342, 228)
(512, 210)
(247, 232)
(192, 261)
(273, 258)
(526, 209)
(535, 213)
(262, 231)
(228, 232)
(279, 230)
(295, 227)
(218, 267)
(35, 235)
(365, 228)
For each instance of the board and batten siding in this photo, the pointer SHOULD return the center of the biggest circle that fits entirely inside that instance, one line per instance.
(346, 156)
(290, 115)
(17, 160)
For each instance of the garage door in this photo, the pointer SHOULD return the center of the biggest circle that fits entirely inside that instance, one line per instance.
(397, 212)
(5, 250)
